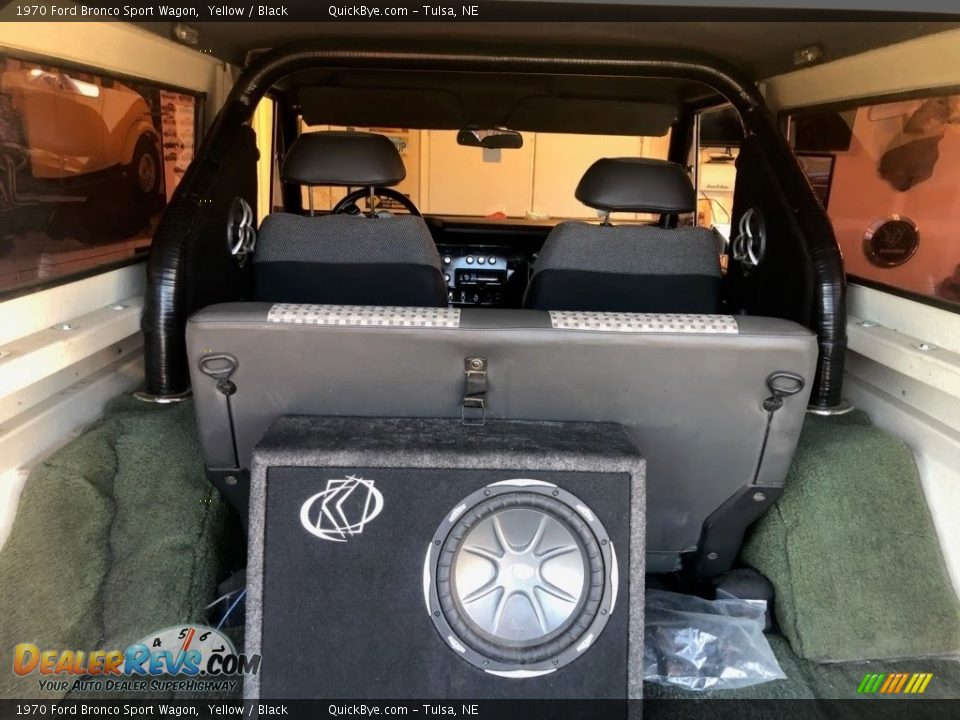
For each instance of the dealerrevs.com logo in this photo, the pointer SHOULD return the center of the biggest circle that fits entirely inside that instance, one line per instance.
(185, 658)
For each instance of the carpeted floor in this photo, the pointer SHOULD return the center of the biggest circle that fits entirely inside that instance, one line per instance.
(118, 535)
(852, 550)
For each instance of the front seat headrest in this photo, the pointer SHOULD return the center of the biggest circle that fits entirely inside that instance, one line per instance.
(637, 185)
(339, 158)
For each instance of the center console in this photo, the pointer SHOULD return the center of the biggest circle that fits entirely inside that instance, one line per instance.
(487, 275)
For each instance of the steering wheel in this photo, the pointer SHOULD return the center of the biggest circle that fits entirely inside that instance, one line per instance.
(348, 205)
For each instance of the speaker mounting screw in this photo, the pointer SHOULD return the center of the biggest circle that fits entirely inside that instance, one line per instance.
(603, 612)
(556, 492)
(759, 497)
(486, 492)
(436, 542)
(712, 556)
(556, 662)
(603, 542)
(486, 662)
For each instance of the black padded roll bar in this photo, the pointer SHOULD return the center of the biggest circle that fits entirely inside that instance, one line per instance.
(168, 279)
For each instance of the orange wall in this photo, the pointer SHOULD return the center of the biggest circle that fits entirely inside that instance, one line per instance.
(859, 196)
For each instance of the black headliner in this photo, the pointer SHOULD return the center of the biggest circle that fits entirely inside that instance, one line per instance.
(762, 49)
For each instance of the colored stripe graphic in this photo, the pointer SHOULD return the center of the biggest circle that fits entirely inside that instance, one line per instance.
(889, 683)
(900, 683)
(871, 683)
(894, 683)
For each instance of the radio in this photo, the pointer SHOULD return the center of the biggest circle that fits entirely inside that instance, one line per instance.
(480, 275)
(480, 278)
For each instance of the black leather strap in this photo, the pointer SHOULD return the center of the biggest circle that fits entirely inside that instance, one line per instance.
(474, 396)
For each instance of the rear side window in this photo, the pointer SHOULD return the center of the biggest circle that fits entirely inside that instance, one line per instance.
(87, 164)
(888, 174)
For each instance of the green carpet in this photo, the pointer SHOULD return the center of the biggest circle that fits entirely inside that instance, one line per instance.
(117, 535)
(852, 552)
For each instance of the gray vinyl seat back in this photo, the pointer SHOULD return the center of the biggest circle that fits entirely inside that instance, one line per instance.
(690, 389)
(630, 267)
(346, 259)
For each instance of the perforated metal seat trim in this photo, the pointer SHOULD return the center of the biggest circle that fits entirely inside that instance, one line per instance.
(644, 322)
(363, 315)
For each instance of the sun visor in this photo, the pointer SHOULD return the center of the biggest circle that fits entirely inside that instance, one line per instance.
(591, 116)
(382, 107)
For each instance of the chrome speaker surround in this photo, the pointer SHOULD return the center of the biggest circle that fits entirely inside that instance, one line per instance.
(520, 578)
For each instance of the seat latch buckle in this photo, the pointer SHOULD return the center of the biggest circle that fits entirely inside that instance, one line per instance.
(220, 366)
(473, 408)
(782, 385)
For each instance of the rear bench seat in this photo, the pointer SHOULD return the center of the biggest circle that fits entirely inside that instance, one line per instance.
(691, 389)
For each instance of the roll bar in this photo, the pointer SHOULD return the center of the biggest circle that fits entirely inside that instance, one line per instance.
(169, 279)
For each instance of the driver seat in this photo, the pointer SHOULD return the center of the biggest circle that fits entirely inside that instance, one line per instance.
(346, 259)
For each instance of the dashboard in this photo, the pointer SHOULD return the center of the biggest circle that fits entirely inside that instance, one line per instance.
(486, 263)
(486, 275)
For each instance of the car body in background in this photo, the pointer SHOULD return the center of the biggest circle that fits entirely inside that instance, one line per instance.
(113, 144)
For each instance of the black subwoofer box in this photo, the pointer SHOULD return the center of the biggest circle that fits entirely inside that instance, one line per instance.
(427, 559)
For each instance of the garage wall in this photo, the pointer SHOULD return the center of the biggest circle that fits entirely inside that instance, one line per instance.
(540, 177)
(444, 178)
(461, 180)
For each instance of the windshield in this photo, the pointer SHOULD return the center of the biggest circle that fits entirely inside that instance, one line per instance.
(533, 183)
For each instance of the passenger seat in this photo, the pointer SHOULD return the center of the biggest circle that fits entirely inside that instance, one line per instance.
(630, 268)
(346, 259)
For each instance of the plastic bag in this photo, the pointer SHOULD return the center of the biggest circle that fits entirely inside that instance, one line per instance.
(702, 644)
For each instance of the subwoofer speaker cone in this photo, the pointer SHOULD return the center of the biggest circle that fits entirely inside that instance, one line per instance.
(520, 578)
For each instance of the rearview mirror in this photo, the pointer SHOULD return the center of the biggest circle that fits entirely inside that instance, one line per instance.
(491, 139)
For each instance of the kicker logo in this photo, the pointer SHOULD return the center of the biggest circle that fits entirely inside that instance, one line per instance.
(894, 683)
(342, 510)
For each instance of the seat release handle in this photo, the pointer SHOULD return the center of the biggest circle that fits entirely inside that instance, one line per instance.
(781, 384)
(220, 366)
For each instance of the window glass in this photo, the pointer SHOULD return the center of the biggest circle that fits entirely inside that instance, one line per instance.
(889, 176)
(534, 183)
(86, 165)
